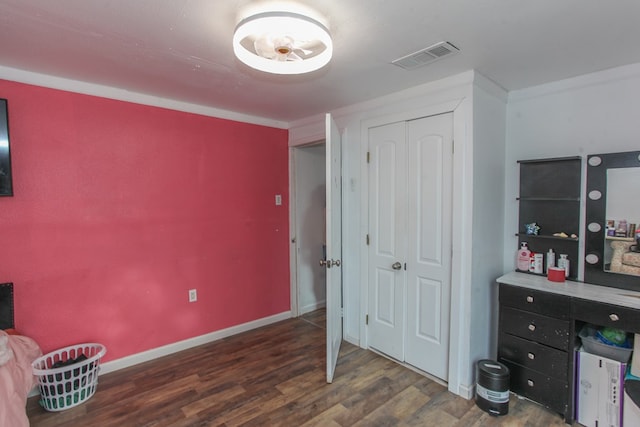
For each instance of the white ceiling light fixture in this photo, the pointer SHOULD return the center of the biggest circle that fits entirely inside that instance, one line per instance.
(282, 43)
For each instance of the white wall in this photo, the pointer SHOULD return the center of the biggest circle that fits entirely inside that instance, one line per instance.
(488, 223)
(473, 275)
(310, 200)
(590, 114)
(405, 104)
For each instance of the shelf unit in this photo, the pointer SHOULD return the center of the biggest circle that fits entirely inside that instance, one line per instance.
(550, 197)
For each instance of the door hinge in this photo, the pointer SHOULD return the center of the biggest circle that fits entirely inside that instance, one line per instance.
(341, 311)
(367, 240)
(453, 146)
(366, 319)
(368, 156)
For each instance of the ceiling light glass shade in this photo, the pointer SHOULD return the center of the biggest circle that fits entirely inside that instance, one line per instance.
(295, 43)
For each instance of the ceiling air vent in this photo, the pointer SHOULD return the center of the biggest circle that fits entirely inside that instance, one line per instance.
(425, 56)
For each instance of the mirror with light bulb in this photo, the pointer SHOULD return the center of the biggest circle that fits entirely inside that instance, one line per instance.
(612, 220)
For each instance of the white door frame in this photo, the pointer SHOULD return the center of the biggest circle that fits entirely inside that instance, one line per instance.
(461, 203)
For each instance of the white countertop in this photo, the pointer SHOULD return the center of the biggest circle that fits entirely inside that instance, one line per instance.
(582, 290)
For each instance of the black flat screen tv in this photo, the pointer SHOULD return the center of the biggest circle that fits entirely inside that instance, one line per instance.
(6, 181)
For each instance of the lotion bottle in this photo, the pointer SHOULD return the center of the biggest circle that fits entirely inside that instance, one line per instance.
(524, 257)
(563, 262)
(551, 260)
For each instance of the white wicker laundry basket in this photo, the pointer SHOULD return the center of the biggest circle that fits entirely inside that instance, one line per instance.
(68, 386)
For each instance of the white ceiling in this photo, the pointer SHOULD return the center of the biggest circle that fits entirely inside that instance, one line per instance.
(182, 50)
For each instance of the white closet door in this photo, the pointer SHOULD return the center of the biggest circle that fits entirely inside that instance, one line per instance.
(430, 157)
(387, 245)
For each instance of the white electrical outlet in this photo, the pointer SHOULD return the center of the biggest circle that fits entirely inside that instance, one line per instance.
(193, 295)
(278, 199)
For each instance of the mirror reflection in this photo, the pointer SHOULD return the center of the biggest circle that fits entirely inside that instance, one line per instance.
(611, 257)
(621, 251)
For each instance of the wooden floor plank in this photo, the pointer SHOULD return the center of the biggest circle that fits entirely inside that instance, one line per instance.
(275, 376)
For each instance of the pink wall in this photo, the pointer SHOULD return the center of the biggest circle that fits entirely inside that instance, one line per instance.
(119, 209)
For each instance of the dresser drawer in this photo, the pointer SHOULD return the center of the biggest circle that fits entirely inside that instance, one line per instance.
(535, 327)
(546, 360)
(603, 314)
(545, 390)
(535, 301)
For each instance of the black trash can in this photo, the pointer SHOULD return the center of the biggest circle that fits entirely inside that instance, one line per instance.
(492, 388)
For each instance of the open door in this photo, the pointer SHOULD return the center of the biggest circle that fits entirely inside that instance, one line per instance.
(334, 245)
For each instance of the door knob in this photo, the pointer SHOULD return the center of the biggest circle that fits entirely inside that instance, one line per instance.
(396, 265)
(329, 262)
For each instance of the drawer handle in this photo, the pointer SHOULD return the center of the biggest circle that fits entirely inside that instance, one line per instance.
(531, 356)
(529, 299)
(530, 383)
(532, 327)
(614, 317)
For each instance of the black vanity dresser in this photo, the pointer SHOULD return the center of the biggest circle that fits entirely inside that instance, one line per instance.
(538, 332)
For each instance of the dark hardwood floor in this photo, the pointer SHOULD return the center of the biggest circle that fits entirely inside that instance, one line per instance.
(275, 376)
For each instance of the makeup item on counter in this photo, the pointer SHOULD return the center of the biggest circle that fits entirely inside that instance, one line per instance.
(631, 231)
(536, 263)
(611, 228)
(551, 259)
(563, 262)
(524, 257)
(555, 274)
(621, 229)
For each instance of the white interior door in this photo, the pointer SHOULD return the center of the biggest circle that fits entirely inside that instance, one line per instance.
(334, 245)
(430, 157)
(410, 187)
(387, 231)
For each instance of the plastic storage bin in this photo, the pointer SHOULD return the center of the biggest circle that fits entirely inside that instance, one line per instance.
(68, 386)
(594, 346)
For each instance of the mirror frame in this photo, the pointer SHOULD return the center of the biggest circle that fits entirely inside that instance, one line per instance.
(596, 211)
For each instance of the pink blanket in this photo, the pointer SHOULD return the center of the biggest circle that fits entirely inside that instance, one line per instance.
(16, 377)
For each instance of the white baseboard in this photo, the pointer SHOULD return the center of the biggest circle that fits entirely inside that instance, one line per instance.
(145, 356)
(312, 307)
(352, 340)
(467, 391)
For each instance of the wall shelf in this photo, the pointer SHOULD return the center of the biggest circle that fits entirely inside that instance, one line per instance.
(550, 197)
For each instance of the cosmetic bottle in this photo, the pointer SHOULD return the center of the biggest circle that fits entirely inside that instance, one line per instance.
(536, 263)
(524, 257)
(551, 259)
(563, 262)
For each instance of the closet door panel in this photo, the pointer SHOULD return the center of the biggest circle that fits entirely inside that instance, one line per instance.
(387, 238)
(430, 159)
